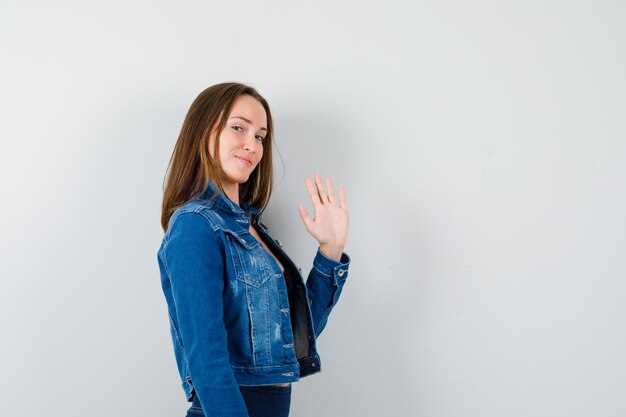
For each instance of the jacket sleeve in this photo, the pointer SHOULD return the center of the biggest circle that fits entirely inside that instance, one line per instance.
(195, 264)
(324, 285)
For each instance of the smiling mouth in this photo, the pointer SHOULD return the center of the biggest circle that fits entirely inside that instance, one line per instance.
(244, 160)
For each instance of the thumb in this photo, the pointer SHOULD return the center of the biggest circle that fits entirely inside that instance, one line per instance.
(304, 215)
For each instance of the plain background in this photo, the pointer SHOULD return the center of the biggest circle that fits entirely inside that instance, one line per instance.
(482, 146)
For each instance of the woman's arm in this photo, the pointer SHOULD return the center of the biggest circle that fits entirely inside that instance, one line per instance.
(324, 285)
(194, 261)
(329, 227)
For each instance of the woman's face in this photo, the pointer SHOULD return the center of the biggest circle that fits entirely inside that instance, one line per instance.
(241, 141)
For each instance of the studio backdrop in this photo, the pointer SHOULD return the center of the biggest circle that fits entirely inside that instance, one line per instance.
(482, 146)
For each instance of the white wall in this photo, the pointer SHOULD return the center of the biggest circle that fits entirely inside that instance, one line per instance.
(482, 146)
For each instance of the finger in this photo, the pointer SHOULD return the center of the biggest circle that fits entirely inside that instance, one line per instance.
(342, 198)
(331, 192)
(315, 198)
(304, 215)
(320, 188)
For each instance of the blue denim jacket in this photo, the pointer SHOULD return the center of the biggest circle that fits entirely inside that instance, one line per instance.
(235, 317)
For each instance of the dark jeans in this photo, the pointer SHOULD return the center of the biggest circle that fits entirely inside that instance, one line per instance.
(261, 401)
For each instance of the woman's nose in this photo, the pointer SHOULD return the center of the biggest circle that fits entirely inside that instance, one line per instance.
(251, 143)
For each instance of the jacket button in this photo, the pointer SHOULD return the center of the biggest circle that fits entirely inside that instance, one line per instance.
(313, 365)
(279, 243)
(341, 272)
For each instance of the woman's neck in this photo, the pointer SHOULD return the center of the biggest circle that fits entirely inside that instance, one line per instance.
(232, 192)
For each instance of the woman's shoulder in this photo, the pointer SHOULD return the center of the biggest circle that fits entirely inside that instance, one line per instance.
(198, 211)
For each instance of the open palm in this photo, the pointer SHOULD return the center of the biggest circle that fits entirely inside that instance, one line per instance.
(329, 225)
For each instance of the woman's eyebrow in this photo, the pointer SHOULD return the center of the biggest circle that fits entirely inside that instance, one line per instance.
(243, 118)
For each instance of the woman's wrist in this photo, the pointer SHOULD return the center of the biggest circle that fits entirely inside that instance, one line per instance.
(332, 252)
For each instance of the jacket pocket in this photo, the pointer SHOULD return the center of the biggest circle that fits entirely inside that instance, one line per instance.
(249, 258)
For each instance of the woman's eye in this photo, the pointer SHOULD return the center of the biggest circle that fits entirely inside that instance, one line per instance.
(237, 128)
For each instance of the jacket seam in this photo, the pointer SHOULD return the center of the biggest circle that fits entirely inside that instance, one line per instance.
(255, 367)
(323, 273)
(326, 313)
(162, 256)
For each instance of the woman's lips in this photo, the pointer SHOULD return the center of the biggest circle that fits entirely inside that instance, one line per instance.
(244, 160)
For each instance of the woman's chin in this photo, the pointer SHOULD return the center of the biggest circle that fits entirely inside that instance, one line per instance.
(239, 178)
(243, 179)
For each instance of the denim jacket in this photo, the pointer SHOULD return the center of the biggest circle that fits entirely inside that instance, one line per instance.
(235, 317)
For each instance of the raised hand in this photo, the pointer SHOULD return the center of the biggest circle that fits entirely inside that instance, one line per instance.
(329, 225)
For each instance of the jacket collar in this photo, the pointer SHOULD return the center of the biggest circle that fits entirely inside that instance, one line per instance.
(224, 204)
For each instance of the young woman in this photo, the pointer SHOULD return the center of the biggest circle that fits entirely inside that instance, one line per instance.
(243, 321)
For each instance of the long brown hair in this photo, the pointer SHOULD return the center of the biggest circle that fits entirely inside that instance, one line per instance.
(191, 165)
